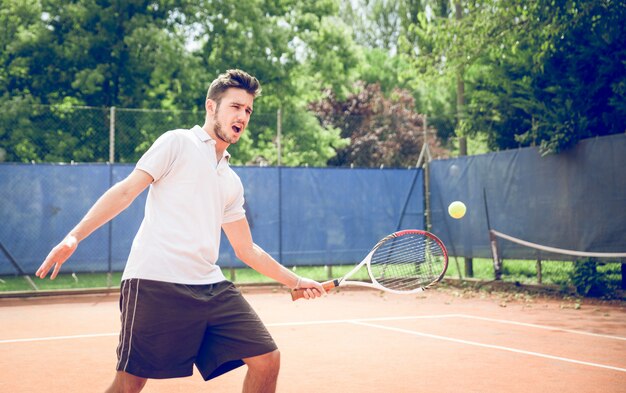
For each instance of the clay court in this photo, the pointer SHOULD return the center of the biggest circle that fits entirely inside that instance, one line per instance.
(445, 340)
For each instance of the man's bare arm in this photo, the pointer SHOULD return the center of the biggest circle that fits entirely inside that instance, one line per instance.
(240, 238)
(109, 205)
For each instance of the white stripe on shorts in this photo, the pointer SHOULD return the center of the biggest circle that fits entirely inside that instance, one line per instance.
(123, 350)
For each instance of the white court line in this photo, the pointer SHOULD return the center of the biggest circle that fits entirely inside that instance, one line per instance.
(538, 326)
(335, 321)
(34, 339)
(504, 321)
(323, 322)
(367, 322)
(339, 321)
(477, 344)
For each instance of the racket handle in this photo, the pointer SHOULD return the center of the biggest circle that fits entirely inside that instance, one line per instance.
(299, 293)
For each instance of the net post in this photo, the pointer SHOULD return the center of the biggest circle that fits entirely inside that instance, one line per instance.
(539, 278)
(497, 262)
(469, 266)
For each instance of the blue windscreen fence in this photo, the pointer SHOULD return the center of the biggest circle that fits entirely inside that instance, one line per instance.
(574, 200)
(302, 216)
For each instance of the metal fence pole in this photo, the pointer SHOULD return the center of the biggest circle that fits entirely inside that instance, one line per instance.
(110, 235)
(280, 186)
(111, 161)
(279, 130)
(112, 135)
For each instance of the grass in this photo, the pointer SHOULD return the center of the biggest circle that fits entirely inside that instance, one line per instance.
(518, 271)
(565, 275)
(522, 271)
(63, 281)
(104, 280)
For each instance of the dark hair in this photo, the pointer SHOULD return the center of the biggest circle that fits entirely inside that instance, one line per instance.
(233, 79)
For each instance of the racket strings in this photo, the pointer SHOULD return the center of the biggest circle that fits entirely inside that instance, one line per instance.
(408, 262)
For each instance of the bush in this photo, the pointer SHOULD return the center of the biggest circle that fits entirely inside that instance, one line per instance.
(588, 280)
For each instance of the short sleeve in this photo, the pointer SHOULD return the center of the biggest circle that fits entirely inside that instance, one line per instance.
(235, 211)
(160, 157)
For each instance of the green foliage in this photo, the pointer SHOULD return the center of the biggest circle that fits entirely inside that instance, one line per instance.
(382, 130)
(375, 24)
(100, 54)
(595, 279)
(304, 141)
(545, 73)
(162, 55)
(391, 33)
(586, 279)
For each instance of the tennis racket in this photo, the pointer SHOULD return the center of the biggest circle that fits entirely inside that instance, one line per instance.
(404, 262)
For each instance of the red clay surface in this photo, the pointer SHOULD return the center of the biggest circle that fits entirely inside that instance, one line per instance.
(444, 340)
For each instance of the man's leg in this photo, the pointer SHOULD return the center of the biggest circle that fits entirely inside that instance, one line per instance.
(126, 383)
(262, 373)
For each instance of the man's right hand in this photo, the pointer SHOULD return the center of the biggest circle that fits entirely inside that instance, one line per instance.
(57, 257)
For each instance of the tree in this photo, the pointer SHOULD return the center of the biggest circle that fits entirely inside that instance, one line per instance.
(62, 55)
(382, 131)
(392, 33)
(545, 73)
(375, 24)
(162, 55)
(99, 53)
(580, 85)
(296, 49)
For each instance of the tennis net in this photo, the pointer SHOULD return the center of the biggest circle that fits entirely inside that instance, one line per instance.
(578, 267)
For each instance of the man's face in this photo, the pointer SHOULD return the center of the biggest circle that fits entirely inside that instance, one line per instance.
(233, 114)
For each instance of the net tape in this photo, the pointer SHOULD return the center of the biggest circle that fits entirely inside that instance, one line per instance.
(558, 250)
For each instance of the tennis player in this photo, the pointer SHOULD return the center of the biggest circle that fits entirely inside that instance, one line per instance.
(177, 308)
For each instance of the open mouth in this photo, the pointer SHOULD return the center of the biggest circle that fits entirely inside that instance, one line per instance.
(237, 129)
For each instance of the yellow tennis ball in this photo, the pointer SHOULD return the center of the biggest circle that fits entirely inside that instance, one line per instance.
(457, 209)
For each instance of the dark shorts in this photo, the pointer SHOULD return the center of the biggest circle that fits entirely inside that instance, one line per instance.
(167, 328)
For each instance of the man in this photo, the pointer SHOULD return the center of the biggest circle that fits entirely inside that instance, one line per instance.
(177, 308)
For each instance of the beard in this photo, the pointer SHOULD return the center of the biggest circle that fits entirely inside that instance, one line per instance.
(221, 133)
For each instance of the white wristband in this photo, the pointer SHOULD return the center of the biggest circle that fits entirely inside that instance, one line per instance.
(298, 283)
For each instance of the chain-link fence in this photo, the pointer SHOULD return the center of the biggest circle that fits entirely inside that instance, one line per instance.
(86, 134)
(79, 134)
(291, 137)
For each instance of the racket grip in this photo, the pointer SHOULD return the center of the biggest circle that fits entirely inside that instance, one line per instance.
(299, 293)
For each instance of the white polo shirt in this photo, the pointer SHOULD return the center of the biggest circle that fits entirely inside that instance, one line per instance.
(191, 197)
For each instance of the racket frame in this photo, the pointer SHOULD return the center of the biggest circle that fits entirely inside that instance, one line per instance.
(343, 281)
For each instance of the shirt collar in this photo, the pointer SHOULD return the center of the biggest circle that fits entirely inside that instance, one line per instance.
(205, 137)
